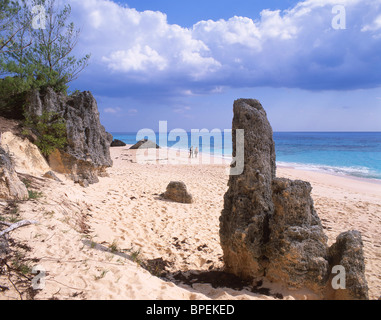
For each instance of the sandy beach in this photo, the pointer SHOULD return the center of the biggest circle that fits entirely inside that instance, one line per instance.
(112, 239)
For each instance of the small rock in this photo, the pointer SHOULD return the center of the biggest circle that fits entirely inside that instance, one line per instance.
(145, 144)
(83, 183)
(177, 191)
(118, 143)
(51, 175)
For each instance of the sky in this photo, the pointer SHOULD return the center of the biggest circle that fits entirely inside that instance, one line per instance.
(314, 65)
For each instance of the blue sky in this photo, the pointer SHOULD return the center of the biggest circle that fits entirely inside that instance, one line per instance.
(187, 13)
(186, 62)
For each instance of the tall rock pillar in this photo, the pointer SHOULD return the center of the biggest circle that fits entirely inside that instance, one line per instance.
(248, 202)
(269, 227)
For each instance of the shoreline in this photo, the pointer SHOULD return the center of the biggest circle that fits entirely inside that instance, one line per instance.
(226, 160)
(338, 165)
(321, 171)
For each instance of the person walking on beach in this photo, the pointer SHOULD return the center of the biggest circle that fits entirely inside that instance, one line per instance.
(191, 152)
(196, 152)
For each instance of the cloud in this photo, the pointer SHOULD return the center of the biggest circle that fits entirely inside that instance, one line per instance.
(119, 111)
(137, 58)
(295, 48)
(132, 112)
(374, 26)
(112, 110)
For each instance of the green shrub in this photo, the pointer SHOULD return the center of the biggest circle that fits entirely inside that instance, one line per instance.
(34, 195)
(50, 129)
(13, 92)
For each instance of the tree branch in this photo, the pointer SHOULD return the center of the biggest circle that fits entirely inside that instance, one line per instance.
(17, 225)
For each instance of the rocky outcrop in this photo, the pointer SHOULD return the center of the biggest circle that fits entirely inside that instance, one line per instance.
(26, 155)
(11, 188)
(297, 248)
(247, 204)
(269, 227)
(87, 154)
(117, 143)
(145, 144)
(348, 253)
(177, 191)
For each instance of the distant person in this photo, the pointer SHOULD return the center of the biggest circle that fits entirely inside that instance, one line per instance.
(196, 152)
(191, 152)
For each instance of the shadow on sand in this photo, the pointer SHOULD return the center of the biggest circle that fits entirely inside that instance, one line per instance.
(187, 279)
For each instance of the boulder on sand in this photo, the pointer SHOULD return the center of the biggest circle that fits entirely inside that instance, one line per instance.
(117, 143)
(51, 175)
(145, 144)
(177, 191)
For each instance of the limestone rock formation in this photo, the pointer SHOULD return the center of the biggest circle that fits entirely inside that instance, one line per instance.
(177, 191)
(11, 188)
(347, 251)
(109, 138)
(87, 154)
(117, 143)
(145, 144)
(248, 202)
(297, 249)
(26, 155)
(269, 227)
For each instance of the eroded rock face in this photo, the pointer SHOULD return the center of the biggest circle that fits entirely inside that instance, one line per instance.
(248, 202)
(87, 154)
(297, 247)
(27, 156)
(269, 227)
(11, 188)
(347, 251)
(177, 191)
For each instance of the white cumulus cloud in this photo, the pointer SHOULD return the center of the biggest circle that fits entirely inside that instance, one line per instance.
(292, 48)
(137, 58)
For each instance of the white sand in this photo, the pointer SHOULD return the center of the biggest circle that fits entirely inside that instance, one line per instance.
(125, 209)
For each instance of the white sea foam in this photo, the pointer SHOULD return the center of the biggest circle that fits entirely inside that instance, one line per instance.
(356, 171)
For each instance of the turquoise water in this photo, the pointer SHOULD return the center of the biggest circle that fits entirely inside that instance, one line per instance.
(348, 153)
(351, 153)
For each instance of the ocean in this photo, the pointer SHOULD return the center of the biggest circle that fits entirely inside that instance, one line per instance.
(355, 154)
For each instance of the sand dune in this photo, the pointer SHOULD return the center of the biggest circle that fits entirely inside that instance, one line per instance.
(93, 242)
